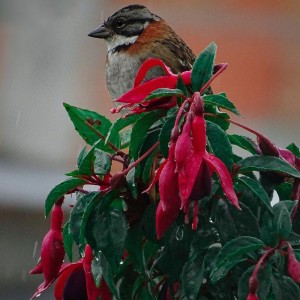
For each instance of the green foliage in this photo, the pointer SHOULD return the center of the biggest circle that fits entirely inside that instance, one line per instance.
(211, 260)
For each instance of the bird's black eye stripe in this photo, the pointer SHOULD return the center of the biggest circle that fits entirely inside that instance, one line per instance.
(120, 22)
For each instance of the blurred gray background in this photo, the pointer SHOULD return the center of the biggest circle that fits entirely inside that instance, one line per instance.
(46, 59)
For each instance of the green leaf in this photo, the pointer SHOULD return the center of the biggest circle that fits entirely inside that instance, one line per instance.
(148, 168)
(268, 163)
(222, 101)
(126, 286)
(108, 275)
(108, 232)
(181, 86)
(140, 129)
(294, 149)
(118, 125)
(165, 135)
(102, 162)
(68, 240)
(282, 221)
(268, 230)
(134, 247)
(243, 142)
(284, 288)
(232, 253)
(125, 137)
(78, 211)
(130, 178)
(192, 278)
(219, 143)
(220, 118)
(244, 220)
(264, 284)
(257, 189)
(223, 221)
(203, 239)
(176, 250)
(60, 190)
(91, 126)
(148, 223)
(94, 162)
(203, 67)
(284, 190)
(97, 271)
(164, 92)
(81, 156)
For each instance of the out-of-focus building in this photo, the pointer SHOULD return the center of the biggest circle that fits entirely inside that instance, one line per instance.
(46, 59)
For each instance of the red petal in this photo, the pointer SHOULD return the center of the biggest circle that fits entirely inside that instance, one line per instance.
(146, 66)
(92, 291)
(165, 218)
(156, 176)
(183, 146)
(186, 77)
(52, 255)
(288, 156)
(199, 134)
(188, 175)
(226, 181)
(57, 217)
(38, 269)
(105, 293)
(168, 186)
(140, 92)
(63, 277)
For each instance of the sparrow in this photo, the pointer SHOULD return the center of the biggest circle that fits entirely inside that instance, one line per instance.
(134, 34)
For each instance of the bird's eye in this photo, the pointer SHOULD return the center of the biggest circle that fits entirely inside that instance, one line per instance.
(120, 22)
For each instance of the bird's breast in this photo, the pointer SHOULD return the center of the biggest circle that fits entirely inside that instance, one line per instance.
(121, 70)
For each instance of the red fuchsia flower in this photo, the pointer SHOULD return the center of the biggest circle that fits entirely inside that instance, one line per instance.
(135, 97)
(75, 281)
(186, 175)
(293, 264)
(52, 250)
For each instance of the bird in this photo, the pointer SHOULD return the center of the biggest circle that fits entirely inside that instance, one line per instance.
(134, 34)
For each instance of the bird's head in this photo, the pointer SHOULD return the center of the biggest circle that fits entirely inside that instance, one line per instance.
(124, 26)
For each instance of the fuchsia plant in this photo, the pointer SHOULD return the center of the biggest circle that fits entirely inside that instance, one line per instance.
(184, 217)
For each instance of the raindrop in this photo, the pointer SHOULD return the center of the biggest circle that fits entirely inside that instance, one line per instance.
(34, 249)
(179, 234)
(18, 118)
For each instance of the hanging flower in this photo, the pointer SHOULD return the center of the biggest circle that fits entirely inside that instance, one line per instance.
(77, 279)
(186, 176)
(52, 251)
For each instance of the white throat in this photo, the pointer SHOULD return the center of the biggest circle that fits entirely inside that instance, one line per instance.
(120, 40)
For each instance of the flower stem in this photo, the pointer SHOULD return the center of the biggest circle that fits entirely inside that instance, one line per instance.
(141, 158)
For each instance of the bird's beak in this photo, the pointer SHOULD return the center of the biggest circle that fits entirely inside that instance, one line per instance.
(102, 32)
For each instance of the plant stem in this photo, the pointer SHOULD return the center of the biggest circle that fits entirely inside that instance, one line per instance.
(102, 137)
